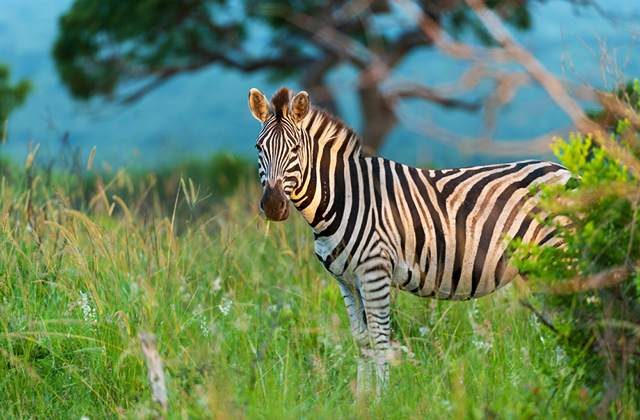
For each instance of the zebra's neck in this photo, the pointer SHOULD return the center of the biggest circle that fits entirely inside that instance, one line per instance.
(331, 154)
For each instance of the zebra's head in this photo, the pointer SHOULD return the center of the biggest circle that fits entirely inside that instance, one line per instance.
(279, 144)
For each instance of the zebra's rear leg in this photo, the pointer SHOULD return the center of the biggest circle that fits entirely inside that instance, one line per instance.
(376, 294)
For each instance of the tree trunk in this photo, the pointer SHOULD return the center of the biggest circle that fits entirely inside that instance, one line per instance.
(378, 119)
(314, 82)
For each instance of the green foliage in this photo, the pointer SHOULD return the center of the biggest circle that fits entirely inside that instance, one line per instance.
(11, 96)
(224, 172)
(592, 163)
(215, 178)
(591, 283)
(107, 45)
(463, 20)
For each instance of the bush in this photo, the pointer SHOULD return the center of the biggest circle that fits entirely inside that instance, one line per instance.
(592, 283)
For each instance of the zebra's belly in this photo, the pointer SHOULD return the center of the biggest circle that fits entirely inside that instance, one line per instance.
(349, 267)
(423, 283)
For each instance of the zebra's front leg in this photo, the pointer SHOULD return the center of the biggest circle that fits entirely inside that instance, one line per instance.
(360, 332)
(368, 308)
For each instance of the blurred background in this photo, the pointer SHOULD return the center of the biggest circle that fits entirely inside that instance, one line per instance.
(153, 82)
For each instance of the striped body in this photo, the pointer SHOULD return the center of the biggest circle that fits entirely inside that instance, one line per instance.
(442, 234)
(378, 224)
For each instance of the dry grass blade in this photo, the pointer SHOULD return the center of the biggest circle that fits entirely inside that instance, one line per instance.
(66, 232)
(607, 278)
(186, 193)
(31, 155)
(93, 230)
(100, 195)
(620, 108)
(173, 216)
(18, 363)
(93, 152)
(582, 199)
(156, 375)
(124, 207)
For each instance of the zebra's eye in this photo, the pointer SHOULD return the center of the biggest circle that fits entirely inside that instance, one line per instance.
(296, 148)
(259, 148)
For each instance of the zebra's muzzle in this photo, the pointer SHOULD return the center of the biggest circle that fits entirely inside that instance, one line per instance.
(274, 203)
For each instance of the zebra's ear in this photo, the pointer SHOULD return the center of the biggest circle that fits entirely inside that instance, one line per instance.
(300, 106)
(259, 105)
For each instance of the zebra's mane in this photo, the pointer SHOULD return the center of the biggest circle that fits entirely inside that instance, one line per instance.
(280, 102)
(328, 130)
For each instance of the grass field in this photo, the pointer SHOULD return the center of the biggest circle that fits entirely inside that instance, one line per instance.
(247, 322)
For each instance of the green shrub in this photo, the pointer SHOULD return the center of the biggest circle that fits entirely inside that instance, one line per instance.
(591, 284)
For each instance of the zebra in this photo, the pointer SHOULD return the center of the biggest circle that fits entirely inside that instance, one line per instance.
(378, 224)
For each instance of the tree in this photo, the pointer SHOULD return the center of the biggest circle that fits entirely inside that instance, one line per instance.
(123, 49)
(11, 96)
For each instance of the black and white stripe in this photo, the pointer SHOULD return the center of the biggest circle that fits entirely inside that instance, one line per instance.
(379, 224)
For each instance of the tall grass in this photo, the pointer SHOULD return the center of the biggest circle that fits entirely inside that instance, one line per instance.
(247, 322)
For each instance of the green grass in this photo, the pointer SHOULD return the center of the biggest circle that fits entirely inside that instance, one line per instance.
(248, 323)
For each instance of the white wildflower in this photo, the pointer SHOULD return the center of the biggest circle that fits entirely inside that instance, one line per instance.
(225, 306)
(446, 404)
(202, 319)
(216, 284)
(242, 323)
(482, 345)
(204, 326)
(88, 313)
(424, 331)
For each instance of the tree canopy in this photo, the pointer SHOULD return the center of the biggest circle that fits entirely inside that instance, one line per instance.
(122, 49)
(11, 96)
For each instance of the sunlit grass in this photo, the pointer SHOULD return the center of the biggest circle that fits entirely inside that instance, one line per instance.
(248, 324)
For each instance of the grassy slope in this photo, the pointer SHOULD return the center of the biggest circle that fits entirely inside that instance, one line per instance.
(248, 323)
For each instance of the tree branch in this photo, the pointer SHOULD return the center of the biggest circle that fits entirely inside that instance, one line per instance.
(314, 82)
(163, 73)
(607, 278)
(414, 90)
(479, 145)
(408, 41)
(543, 319)
(440, 39)
(552, 85)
